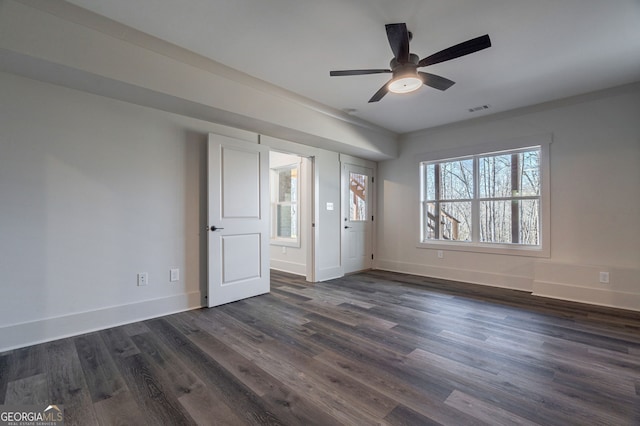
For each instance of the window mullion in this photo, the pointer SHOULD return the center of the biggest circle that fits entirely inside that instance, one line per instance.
(515, 205)
(436, 212)
(475, 204)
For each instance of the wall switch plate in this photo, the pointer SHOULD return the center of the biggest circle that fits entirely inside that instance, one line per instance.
(143, 278)
(440, 254)
(604, 277)
(174, 275)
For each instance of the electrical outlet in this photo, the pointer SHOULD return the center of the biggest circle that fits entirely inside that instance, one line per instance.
(143, 278)
(440, 254)
(174, 275)
(604, 277)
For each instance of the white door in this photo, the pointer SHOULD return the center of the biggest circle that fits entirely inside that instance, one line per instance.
(357, 241)
(238, 220)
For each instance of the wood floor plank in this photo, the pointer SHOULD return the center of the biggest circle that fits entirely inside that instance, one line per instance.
(549, 402)
(383, 337)
(273, 391)
(4, 376)
(484, 412)
(242, 368)
(118, 343)
(280, 362)
(272, 327)
(354, 394)
(365, 352)
(67, 385)
(119, 410)
(27, 391)
(150, 394)
(102, 377)
(176, 377)
(290, 295)
(135, 328)
(25, 362)
(275, 307)
(405, 416)
(608, 396)
(473, 355)
(408, 396)
(213, 374)
(153, 374)
(205, 409)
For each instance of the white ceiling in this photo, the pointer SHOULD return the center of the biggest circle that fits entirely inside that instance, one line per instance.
(542, 50)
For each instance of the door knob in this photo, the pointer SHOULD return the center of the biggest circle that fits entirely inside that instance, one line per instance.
(347, 227)
(214, 228)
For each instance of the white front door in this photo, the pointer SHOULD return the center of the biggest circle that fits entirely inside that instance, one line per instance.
(357, 241)
(238, 220)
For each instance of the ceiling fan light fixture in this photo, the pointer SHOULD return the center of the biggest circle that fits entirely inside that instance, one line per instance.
(405, 84)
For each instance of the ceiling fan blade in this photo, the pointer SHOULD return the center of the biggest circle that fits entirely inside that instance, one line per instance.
(435, 81)
(357, 72)
(399, 41)
(465, 48)
(380, 93)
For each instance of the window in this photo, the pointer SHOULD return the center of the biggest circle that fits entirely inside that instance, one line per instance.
(491, 199)
(358, 197)
(284, 204)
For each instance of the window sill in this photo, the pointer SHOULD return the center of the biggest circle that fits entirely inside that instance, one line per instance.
(285, 243)
(502, 249)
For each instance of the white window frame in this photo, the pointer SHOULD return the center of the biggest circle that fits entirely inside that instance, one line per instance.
(274, 184)
(542, 250)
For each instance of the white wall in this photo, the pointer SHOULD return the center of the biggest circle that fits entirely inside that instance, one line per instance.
(595, 201)
(94, 191)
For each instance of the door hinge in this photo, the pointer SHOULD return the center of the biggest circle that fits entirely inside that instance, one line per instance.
(371, 218)
(371, 256)
(372, 179)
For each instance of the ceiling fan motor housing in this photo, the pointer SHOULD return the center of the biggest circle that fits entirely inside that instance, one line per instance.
(405, 75)
(413, 62)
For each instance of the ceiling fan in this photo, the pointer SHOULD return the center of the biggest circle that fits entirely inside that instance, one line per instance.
(404, 65)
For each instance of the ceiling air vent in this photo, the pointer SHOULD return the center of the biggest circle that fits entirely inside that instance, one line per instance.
(479, 108)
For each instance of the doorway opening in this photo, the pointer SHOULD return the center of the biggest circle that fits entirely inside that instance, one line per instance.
(291, 212)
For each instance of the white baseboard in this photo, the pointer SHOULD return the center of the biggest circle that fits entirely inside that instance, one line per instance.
(580, 283)
(290, 267)
(563, 281)
(592, 296)
(30, 333)
(326, 274)
(514, 282)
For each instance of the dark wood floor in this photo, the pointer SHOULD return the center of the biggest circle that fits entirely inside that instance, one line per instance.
(371, 348)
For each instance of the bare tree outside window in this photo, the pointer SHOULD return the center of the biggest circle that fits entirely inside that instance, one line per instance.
(488, 198)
